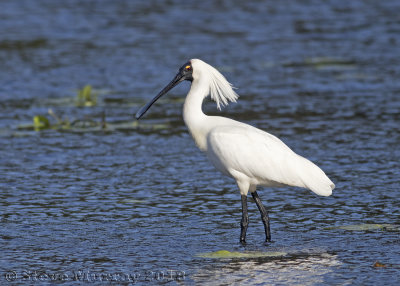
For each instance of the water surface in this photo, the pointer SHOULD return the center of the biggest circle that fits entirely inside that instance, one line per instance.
(133, 202)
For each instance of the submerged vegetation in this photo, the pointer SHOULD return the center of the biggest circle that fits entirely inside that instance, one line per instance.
(87, 97)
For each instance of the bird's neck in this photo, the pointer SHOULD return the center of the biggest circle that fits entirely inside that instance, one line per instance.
(193, 114)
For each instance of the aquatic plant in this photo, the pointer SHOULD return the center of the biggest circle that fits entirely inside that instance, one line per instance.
(40, 122)
(86, 97)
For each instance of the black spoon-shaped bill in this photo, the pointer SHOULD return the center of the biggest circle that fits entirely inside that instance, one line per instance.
(177, 79)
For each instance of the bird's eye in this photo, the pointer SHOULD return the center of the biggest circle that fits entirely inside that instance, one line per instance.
(188, 68)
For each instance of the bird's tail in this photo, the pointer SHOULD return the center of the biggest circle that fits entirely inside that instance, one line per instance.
(315, 179)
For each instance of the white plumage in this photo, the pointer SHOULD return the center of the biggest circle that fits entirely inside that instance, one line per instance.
(249, 155)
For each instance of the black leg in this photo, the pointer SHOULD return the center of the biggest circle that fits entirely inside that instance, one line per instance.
(245, 220)
(264, 216)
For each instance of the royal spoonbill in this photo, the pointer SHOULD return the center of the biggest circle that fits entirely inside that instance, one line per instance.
(249, 155)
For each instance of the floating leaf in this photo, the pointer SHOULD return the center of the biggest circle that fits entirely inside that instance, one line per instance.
(40, 122)
(221, 254)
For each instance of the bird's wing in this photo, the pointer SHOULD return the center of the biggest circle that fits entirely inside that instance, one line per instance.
(264, 158)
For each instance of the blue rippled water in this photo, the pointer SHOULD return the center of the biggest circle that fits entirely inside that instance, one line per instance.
(107, 199)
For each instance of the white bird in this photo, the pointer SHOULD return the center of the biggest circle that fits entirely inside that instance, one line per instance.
(249, 155)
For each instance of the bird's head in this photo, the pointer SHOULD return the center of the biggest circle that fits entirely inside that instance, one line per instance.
(220, 89)
(185, 73)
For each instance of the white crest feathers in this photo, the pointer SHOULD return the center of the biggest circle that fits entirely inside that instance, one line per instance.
(221, 91)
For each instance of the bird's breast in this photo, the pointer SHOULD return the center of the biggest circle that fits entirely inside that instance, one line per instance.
(199, 138)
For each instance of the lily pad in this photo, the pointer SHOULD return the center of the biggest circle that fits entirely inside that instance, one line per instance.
(221, 254)
(367, 226)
